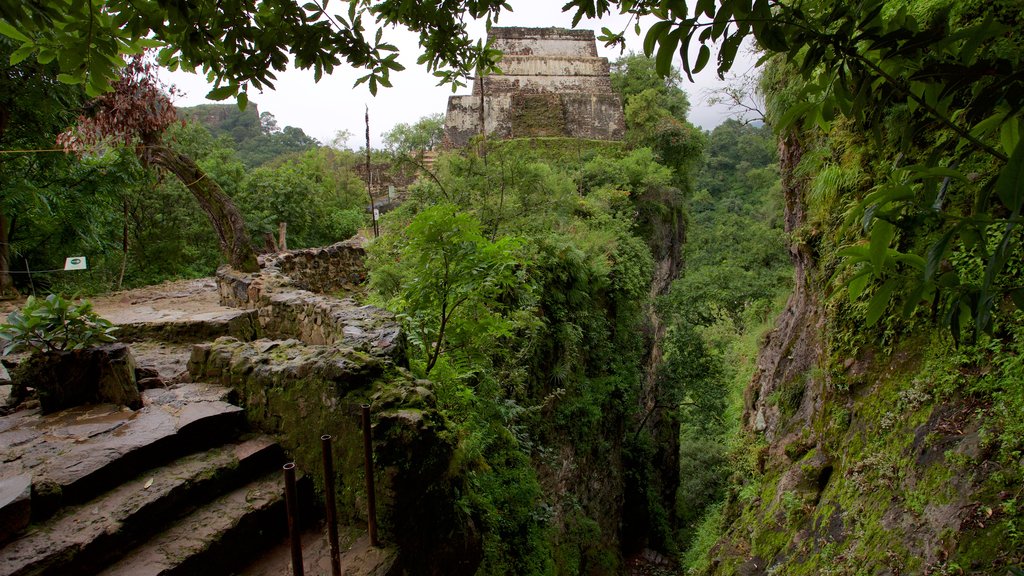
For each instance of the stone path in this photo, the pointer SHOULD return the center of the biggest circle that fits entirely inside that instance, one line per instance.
(358, 558)
(176, 487)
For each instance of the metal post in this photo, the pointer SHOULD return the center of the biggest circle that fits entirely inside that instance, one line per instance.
(332, 511)
(28, 271)
(292, 505)
(371, 499)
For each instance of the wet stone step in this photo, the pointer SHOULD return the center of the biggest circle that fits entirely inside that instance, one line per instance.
(83, 539)
(75, 454)
(217, 538)
(358, 557)
(170, 326)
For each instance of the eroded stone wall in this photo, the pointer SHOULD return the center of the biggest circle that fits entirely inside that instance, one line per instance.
(306, 294)
(298, 391)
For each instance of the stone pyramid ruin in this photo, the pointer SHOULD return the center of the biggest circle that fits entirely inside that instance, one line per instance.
(553, 84)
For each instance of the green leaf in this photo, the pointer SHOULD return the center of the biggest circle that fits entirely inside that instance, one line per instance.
(912, 302)
(654, 34)
(858, 252)
(879, 302)
(882, 234)
(666, 51)
(935, 253)
(223, 92)
(21, 54)
(1010, 184)
(795, 112)
(1009, 135)
(913, 260)
(1018, 298)
(11, 32)
(46, 56)
(70, 79)
(702, 58)
(858, 283)
(243, 101)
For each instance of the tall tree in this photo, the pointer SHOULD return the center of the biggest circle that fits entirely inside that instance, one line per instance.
(136, 114)
(634, 74)
(34, 108)
(424, 134)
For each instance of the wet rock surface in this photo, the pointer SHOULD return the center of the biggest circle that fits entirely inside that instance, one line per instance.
(168, 488)
(73, 453)
(95, 375)
(15, 505)
(89, 535)
(194, 545)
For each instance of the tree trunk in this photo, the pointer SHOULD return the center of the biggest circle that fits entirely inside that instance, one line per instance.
(222, 212)
(7, 289)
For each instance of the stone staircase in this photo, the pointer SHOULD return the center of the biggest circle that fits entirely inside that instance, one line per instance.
(184, 485)
(179, 486)
(176, 487)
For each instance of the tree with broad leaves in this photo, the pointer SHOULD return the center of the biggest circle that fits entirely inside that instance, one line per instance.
(34, 107)
(135, 114)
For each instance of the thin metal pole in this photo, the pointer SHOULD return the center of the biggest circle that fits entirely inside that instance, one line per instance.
(31, 284)
(332, 511)
(371, 498)
(291, 505)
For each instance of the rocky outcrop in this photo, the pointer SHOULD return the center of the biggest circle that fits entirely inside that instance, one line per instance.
(15, 505)
(95, 375)
(791, 350)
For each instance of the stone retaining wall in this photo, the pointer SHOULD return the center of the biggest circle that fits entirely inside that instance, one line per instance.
(298, 391)
(302, 294)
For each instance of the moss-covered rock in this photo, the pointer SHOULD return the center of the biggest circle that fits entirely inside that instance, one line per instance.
(300, 392)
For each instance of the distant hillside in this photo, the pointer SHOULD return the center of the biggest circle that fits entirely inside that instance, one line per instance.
(226, 120)
(255, 136)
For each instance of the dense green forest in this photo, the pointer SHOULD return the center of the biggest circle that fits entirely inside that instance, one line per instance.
(782, 347)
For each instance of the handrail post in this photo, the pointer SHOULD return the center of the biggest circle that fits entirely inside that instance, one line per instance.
(371, 499)
(291, 506)
(332, 510)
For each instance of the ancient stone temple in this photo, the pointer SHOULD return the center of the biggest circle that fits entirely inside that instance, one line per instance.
(553, 84)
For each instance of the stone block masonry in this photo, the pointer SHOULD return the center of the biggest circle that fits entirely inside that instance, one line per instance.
(302, 294)
(552, 84)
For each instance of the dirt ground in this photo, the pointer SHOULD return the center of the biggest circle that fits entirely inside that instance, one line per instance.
(156, 302)
(170, 301)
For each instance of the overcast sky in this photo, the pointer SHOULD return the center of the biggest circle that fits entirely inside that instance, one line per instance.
(321, 109)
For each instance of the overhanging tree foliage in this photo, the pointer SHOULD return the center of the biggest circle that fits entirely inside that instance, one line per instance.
(242, 44)
(34, 107)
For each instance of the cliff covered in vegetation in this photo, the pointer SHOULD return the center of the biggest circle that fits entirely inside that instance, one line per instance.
(880, 431)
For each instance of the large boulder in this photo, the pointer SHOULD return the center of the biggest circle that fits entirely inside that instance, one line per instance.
(95, 375)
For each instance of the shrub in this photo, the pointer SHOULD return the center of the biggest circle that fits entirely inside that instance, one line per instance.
(54, 324)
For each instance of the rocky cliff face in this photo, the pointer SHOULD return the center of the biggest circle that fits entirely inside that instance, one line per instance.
(872, 459)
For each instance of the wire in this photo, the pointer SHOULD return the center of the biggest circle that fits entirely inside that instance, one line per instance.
(31, 151)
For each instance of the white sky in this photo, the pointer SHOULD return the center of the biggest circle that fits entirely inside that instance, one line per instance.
(321, 109)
